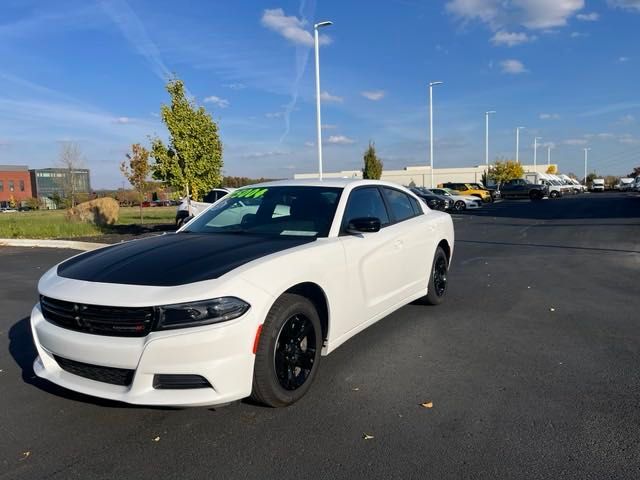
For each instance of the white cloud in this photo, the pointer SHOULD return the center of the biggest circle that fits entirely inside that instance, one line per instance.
(374, 95)
(340, 140)
(578, 34)
(235, 86)
(134, 31)
(605, 136)
(532, 14)
(575, 141)
(510, 39)
(628, 139)
(627, 119)
(274, 114)
(623, 59)
(122, 120)
(309, 144)
(290, 27)
(329, 126)
(217, 101)
(588, 17)
(327, 97)
(625, 4)
(549, 116)
(271, 153)
(513, 67)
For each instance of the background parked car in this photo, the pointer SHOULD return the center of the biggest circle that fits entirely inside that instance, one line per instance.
(182, 214)
(458, 202)
(433, 201)
(468, 189)
(494, 192)
(521, 188)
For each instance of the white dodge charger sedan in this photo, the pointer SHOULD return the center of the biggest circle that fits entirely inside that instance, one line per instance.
(245, 299)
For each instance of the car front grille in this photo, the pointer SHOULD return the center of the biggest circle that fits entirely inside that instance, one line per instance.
(114, 376)
(98, 320)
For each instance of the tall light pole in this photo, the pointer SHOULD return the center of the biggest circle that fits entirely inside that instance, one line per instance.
(548, 155)
(586, 156)
(486, 137)
(535, 153)
(318, 120)
(431, 85)
(518, 144)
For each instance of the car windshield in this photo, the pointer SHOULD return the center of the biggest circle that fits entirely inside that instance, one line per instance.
(287, 210)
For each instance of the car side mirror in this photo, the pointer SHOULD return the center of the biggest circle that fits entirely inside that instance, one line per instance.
(363, 225)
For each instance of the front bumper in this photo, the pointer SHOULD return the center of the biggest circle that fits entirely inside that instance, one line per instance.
(221, 353)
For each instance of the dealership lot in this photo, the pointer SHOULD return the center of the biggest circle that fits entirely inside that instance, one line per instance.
(531, 366)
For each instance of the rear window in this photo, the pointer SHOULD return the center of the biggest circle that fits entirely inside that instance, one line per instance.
(400, 204)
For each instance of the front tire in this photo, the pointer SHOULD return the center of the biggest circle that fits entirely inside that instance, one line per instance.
(288, 352)
(554, 194)
(459, 206)
(438, 279)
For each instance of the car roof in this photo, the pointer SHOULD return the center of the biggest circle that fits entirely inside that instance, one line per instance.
(326, 182)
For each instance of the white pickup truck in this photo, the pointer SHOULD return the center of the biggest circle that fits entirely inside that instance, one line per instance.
(182, 214)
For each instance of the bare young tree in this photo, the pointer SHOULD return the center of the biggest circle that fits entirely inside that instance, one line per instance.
(70, 159)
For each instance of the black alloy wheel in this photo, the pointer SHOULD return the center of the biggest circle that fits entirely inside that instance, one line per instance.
(459, 206)
(288, 351)
(438, 279)
(294, 352)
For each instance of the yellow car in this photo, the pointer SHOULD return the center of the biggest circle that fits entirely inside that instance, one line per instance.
(468, 189)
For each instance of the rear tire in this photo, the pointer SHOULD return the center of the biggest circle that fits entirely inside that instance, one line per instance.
(535, 195)
(554, 194)
(438, 279)
(288, 353)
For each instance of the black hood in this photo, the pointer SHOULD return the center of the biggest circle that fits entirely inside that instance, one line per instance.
(174, 259)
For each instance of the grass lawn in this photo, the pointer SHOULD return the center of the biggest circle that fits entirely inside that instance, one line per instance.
(53, 224)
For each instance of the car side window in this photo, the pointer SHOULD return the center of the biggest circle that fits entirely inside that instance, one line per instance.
(399, 203)
(416, 206)
(366, 202)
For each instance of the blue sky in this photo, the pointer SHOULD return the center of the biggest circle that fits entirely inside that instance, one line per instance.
(93, 73)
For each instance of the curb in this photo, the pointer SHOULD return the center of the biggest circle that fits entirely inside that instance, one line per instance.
(69, 244)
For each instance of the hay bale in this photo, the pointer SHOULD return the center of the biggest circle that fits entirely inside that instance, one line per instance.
(101, 211)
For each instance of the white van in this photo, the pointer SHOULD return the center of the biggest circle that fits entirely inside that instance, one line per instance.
(556, 189)
(597, 185)
(625, 184)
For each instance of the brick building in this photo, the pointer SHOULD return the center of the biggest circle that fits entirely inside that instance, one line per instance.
(15, 183)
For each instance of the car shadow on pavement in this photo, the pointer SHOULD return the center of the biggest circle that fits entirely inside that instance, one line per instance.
(24, 353)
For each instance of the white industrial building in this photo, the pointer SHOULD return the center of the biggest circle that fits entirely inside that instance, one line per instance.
(421, 175)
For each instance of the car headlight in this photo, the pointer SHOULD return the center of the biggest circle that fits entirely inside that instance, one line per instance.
(195, 314)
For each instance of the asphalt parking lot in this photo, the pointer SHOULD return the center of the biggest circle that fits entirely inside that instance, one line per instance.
(531, 366)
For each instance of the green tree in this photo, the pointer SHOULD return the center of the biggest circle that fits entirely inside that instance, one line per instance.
(589, 179)
(372, 164)
(505, 170)
(635, 173)
(136, 169)
(192, 160)
(552, 169)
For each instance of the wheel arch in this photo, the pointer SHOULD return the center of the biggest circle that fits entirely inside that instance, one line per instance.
(444, 244)
(316, 294)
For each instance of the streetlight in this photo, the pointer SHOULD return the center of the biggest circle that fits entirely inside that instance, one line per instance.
(486, 137)
(535, 153)
(431, 85)
(586, 155)
(518, 143)
(548, 155)
(318, 121)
